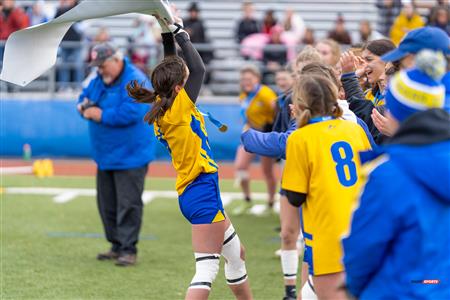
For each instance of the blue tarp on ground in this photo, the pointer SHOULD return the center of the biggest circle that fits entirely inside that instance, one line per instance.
(53, 128)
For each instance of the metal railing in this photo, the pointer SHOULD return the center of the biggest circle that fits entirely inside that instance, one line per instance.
(73, 57)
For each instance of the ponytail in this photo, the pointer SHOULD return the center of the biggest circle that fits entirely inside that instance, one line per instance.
(304, 117)
(142, 95)
(337, 111)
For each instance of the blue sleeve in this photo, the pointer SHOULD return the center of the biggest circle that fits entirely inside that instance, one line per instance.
(93, 91)
(372, 230)
(127, 112)
(271, 144)
(366, 130)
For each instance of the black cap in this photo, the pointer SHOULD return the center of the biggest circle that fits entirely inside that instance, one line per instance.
(193, 7)
(102, 52)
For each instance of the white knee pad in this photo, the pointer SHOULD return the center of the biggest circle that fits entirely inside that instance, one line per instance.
(235, 271)
(206, 269)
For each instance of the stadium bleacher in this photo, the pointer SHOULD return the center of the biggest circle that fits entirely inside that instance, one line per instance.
(220, 18)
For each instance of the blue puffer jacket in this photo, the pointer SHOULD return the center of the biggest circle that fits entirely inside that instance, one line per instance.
(122, 140)
(400, 233)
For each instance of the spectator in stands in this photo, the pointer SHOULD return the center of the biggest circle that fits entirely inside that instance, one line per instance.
(12, 18)
(330, 51)
(268, 22)
(196, 30)
(143, 43)
(308, 38)
(36, 13)
(408, 20)
(388, 10)
(194, 25)
(293, 25)
(439, 4)
(366, 33)
(258, 104)
(274, 55)
(70, 51)
(248, 24)
(102, 36)
(441, 18)
(340, 34)
(121, 149)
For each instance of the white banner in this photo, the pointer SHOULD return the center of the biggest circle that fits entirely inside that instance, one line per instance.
(32, 51)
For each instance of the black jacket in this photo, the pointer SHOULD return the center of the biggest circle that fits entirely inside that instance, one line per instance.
(245, 28)
(283, 117)
(360, 106)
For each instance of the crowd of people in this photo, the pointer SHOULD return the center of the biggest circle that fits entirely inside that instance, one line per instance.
(358, 132)
(346, 125)
(272, 40)
(323, 179)
(396, 18)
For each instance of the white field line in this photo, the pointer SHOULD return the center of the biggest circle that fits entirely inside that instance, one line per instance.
(64, 195)
(16, 170)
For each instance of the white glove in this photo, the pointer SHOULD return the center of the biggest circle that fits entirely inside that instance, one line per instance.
(176, 28)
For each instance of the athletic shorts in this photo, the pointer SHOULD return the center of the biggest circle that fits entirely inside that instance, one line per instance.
(323, 252)
(200, 202)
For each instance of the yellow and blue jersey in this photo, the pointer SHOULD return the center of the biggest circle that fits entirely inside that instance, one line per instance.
(182, 131)
(377, 99)
(259, 107)
(322, 162)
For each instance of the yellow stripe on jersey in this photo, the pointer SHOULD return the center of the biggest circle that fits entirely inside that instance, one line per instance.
(377, 101)
(182, 130)
(261, 110)
(322, 161)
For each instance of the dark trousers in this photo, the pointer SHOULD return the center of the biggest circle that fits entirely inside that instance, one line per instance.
(119, 199)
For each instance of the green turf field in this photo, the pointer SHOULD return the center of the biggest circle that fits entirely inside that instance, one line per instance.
(48, 249)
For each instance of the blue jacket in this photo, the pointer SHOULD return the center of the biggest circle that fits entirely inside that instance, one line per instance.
(400, 233)
(122, 140)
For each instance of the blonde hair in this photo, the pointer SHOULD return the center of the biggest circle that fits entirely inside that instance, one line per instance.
(335, 49)
(315, 96)
(308, 54)
(253, 69)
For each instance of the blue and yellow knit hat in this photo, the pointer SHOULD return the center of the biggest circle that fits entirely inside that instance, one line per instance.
(417, 89)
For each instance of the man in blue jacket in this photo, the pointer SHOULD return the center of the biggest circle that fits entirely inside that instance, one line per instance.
(122, 146)
(399, 243)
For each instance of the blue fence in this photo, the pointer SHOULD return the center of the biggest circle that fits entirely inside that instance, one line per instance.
(53, 128)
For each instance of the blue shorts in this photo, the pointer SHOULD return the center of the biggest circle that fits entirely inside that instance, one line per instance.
(200, 202)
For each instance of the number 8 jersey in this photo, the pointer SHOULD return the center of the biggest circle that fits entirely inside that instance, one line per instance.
(322, 161)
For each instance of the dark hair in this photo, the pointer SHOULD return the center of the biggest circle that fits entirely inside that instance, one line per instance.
(393, 69)
(166, 75)
(379, 47)
(315, 96)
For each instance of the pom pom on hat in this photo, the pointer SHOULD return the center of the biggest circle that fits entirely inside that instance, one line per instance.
(417, 89)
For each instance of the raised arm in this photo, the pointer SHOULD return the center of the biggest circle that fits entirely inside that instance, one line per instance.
(191, 57)
(168, 44)
(194, 63)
